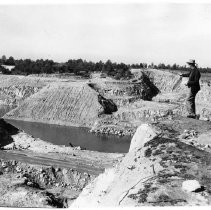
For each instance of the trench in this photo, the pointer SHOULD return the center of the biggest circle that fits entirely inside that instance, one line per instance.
(75, 136)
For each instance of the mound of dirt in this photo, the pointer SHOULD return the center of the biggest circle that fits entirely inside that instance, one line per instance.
(64, 104)
(153, 172)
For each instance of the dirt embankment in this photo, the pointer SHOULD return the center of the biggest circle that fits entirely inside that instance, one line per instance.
(166, 166)
(65, 104)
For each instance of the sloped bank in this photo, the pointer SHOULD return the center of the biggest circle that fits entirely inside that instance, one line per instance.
(156, 169)
(64, 104)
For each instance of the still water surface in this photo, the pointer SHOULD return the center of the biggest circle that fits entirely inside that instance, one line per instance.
(63, 135)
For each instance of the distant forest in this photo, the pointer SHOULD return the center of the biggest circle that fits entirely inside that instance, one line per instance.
(81, 67)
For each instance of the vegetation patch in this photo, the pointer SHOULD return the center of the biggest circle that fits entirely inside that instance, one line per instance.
(157, 152)
(148, 152)
(165, 177)
(165, 200)
(180, 166)
(163, 164)
(142, 194)
(154, 143)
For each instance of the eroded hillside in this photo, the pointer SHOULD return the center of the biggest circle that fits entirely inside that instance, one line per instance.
(167, 165)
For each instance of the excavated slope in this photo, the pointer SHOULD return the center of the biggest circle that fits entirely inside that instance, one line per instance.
(172, 92)
(163, 80)
(125, 92)
(153, 172)
(74, 104)
(15, 89)
(169, 84)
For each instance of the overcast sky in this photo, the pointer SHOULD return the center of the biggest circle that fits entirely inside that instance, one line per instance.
(130, 33)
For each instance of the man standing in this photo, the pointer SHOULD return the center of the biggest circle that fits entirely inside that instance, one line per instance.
(194, 86)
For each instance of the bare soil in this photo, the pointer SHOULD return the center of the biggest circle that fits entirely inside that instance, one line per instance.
(152, 174)
(46, 175)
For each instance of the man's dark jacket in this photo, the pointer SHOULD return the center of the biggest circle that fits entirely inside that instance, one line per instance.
(194, 77)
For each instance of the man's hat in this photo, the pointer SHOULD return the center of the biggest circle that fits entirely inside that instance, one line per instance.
(191, 62)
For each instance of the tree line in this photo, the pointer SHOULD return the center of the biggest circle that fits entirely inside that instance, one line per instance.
(81, 67)
(74, 66)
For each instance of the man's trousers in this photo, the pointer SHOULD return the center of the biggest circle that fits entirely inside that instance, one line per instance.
(190, 101)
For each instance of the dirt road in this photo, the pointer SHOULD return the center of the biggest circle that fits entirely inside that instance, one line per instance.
(77, 163)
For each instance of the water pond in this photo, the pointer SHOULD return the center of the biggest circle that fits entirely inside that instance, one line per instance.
(63, 135)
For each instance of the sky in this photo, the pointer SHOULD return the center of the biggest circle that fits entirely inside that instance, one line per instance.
(130, 32)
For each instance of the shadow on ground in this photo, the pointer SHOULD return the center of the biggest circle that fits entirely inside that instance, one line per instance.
(6, 131)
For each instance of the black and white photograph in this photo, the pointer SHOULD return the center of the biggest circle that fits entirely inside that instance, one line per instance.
(105, 103)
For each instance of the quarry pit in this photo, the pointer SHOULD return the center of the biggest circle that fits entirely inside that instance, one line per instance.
(37, 173)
